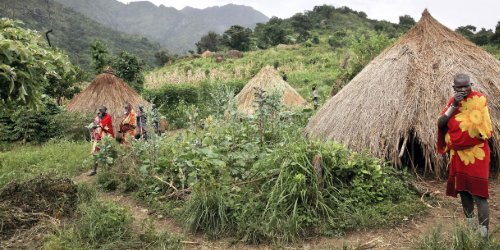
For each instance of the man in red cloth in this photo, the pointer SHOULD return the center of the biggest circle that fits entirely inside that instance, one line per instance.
(464, 130)
(102, 126)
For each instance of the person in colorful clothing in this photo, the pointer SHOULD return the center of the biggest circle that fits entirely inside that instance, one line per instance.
(127, 126)
(102, 126)
(141, 123)
(464, 128)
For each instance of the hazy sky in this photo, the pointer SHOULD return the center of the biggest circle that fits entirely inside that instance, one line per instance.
(452, 13)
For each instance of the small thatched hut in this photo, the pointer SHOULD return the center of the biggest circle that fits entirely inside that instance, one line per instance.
(234, 54)
(207, 53)
(269, 80)
(109, 90)
(391, 107)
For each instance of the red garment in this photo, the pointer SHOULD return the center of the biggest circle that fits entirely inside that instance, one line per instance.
(466, 139)
(107, 126)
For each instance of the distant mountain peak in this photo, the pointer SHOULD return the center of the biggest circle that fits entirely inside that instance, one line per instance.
(177, 30)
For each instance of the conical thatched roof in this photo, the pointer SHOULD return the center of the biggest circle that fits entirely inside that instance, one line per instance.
(398, 96)
(207, 53)
(269, 80)
(109, 90)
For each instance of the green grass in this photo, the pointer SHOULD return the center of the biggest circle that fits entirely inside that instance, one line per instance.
(462, 237)
(59, 157)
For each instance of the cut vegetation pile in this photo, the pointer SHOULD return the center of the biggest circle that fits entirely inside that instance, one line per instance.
(24, 204)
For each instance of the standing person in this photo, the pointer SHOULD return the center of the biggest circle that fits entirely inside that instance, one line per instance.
(141, 123)
(102, 126)
(463, 131)
(284, 76)
(127, 126)
(315, 97)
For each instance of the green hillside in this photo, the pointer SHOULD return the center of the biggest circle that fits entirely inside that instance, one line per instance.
(326, 46)
(73, 32)
(176, 30)
(337, 41)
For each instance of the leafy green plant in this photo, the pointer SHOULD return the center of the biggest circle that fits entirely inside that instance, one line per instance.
(27, 65)
(258, 179)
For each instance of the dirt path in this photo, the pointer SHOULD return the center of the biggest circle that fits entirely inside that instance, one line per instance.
(445, 215)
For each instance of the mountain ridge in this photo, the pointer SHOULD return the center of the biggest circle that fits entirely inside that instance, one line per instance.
(176, 30)
(73, 32)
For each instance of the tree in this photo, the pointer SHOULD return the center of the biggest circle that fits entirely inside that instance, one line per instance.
(274, 32)
(129, 67)
(163, 57)
(467, 31)
(301, 24)
(28, 67)
(406, 22)
(100, 55)
(62, 85)
(211, 41)
(495, 38)
(482, 37)
(237, 37)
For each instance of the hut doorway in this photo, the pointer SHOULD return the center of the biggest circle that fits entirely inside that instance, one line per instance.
(411, 154)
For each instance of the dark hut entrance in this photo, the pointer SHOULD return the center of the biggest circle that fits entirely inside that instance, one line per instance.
(412, 155)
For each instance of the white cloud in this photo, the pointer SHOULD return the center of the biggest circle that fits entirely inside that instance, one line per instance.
(452, 13)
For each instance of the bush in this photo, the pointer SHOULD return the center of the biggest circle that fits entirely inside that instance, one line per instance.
(171, 95)
(258, 179)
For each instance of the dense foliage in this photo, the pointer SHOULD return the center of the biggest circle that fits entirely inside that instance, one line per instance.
(302, 27)
(177, 102)
(256, 178)
(74, 32)
(28, 67)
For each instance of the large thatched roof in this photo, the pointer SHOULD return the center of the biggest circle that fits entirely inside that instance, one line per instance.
(269, 80)
(398, 96)
(109, 90)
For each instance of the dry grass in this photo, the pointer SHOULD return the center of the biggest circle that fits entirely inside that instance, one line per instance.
(269, 80)
(398, 96)
(109, 90)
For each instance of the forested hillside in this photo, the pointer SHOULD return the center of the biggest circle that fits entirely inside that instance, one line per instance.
(176, 30)
(74, 32)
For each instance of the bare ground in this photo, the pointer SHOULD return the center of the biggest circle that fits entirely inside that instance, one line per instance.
(445, 214)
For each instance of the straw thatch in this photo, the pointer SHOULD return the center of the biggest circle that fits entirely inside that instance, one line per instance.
(234, 54)
(391, 107)
(109, 90)
(207, 53)
(269, 80)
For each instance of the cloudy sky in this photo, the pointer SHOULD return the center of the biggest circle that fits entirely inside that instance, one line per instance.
(452, 13)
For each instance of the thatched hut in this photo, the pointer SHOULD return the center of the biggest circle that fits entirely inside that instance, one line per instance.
(235, 54)
(391, 107)
(269, 80)
(207, 53)
(109, 90)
